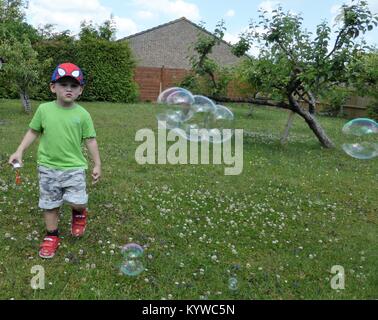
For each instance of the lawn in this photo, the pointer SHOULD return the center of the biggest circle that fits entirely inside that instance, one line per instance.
(275, 231)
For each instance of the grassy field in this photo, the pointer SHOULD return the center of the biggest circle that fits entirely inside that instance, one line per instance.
(278, 228)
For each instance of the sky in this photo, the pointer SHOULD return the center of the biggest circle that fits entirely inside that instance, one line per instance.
(132, 16)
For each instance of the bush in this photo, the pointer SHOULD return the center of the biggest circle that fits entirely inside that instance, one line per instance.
(58, 51)
(109, 69)
(107, 66)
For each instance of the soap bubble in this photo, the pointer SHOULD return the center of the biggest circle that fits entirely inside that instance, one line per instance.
(195, 117)
(166, 93)
(132, 264)
(170, 119)
(233, 283)
(201, 112)
(178, 102)
(132, 251)
(222, 118)
(361, 138)
(181, 101)
(132, 267)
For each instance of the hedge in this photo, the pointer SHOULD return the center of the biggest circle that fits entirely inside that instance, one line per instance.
(108, 69)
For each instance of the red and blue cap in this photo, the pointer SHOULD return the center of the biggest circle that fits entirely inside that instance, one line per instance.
(68, 70)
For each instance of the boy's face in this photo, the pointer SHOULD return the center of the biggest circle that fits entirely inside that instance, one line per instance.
(67, 90)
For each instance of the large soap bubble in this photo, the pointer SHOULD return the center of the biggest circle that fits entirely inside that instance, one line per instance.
(166, 93)
(361, 139)
(178, 102)
(197, 116)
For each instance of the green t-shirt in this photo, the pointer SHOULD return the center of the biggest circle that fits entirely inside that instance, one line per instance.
(62, 133)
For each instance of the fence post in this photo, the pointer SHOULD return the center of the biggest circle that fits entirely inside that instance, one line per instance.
(161, 79)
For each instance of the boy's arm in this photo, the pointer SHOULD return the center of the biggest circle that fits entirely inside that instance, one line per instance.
(92, 146)
(28, 139)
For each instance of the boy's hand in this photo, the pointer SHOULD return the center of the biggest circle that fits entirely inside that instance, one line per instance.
(14, 158)
(96, 174)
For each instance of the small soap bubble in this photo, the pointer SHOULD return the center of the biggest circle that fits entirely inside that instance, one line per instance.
(233, 283)
(132, 264)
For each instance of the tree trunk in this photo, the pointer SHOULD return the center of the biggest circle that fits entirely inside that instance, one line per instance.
(312, 104)
(288, 127)
(294, 107)
(312, 123)
(25, 101)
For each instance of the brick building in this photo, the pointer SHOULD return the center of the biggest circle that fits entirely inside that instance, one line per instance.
(162, 54)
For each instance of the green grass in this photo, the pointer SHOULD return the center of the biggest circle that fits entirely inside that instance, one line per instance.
(279, 227)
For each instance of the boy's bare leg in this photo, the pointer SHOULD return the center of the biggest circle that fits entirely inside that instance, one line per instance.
(52, 219)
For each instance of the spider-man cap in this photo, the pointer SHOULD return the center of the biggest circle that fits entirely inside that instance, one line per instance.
(68, 70)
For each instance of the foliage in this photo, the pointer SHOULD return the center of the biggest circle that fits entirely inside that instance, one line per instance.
(21, 61)
(48, 32)
(105, 31)
(366, 80)
(295, 66)
(335, 99)
(14, 31)
(292, 61)
(12, 24)
(56, 51)
(22, 68)
(200, 84)
(205, 67)
(107, 65)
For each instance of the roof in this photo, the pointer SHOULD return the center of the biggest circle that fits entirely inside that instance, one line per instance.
(173, 22)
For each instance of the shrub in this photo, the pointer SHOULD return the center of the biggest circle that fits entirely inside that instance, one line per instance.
(108, 68)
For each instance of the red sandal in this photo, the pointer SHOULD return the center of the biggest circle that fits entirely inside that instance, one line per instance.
(49, 247)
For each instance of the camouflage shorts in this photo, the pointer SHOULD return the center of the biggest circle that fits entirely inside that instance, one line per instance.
(59, 186)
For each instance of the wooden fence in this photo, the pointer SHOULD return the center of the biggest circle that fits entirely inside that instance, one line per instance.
(152, 81)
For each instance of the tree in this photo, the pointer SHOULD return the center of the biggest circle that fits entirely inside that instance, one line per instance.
(204, 66)
(12, 10)
(106, 31)
(12, 21)
(21, 68)
(293, 68)
(48, 32)
(16, 37)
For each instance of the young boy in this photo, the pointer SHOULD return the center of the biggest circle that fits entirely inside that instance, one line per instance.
(63, 126)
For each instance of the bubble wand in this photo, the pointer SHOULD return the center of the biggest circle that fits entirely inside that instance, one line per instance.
(17, 166)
